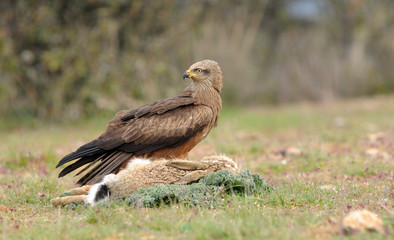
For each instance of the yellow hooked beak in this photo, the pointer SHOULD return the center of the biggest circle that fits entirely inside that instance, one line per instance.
(189, 74)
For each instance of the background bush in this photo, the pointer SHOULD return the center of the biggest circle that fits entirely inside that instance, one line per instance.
(69, 58)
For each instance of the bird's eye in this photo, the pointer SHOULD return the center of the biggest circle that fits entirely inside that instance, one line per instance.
(198, 70)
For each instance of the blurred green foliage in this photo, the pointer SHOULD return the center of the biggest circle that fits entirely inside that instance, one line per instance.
(68, 58)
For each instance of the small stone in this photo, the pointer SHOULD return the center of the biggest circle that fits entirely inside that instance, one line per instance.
(374, 137)
(290, 151)
(373, 152)
(293, 151)
(361, 221)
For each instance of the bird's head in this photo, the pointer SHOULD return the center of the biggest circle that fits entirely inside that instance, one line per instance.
(205, 72)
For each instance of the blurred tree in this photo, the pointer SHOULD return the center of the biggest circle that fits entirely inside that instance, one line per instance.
(68, 58)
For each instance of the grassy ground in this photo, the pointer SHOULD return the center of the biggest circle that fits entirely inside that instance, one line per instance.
(345, 163)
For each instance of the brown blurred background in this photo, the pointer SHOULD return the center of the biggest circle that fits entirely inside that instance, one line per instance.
(70, 58)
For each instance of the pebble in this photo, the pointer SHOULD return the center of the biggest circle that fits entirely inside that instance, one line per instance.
(361, 221)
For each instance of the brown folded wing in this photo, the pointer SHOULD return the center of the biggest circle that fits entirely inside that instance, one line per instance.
(151, 130)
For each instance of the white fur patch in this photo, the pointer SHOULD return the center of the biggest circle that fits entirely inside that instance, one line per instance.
(92, 193)
(109, 178)
(231, 160)
(137, 162)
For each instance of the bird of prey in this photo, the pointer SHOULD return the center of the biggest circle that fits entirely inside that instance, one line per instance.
(167, 128)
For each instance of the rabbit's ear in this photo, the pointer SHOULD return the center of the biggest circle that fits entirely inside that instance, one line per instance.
(187, 165)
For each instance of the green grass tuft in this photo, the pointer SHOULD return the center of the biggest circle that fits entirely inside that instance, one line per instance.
(204, 193)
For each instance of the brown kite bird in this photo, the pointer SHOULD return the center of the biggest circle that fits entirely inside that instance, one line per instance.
(167, 128)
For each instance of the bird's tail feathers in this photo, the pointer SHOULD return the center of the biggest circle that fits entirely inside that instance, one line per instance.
(86, 150)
